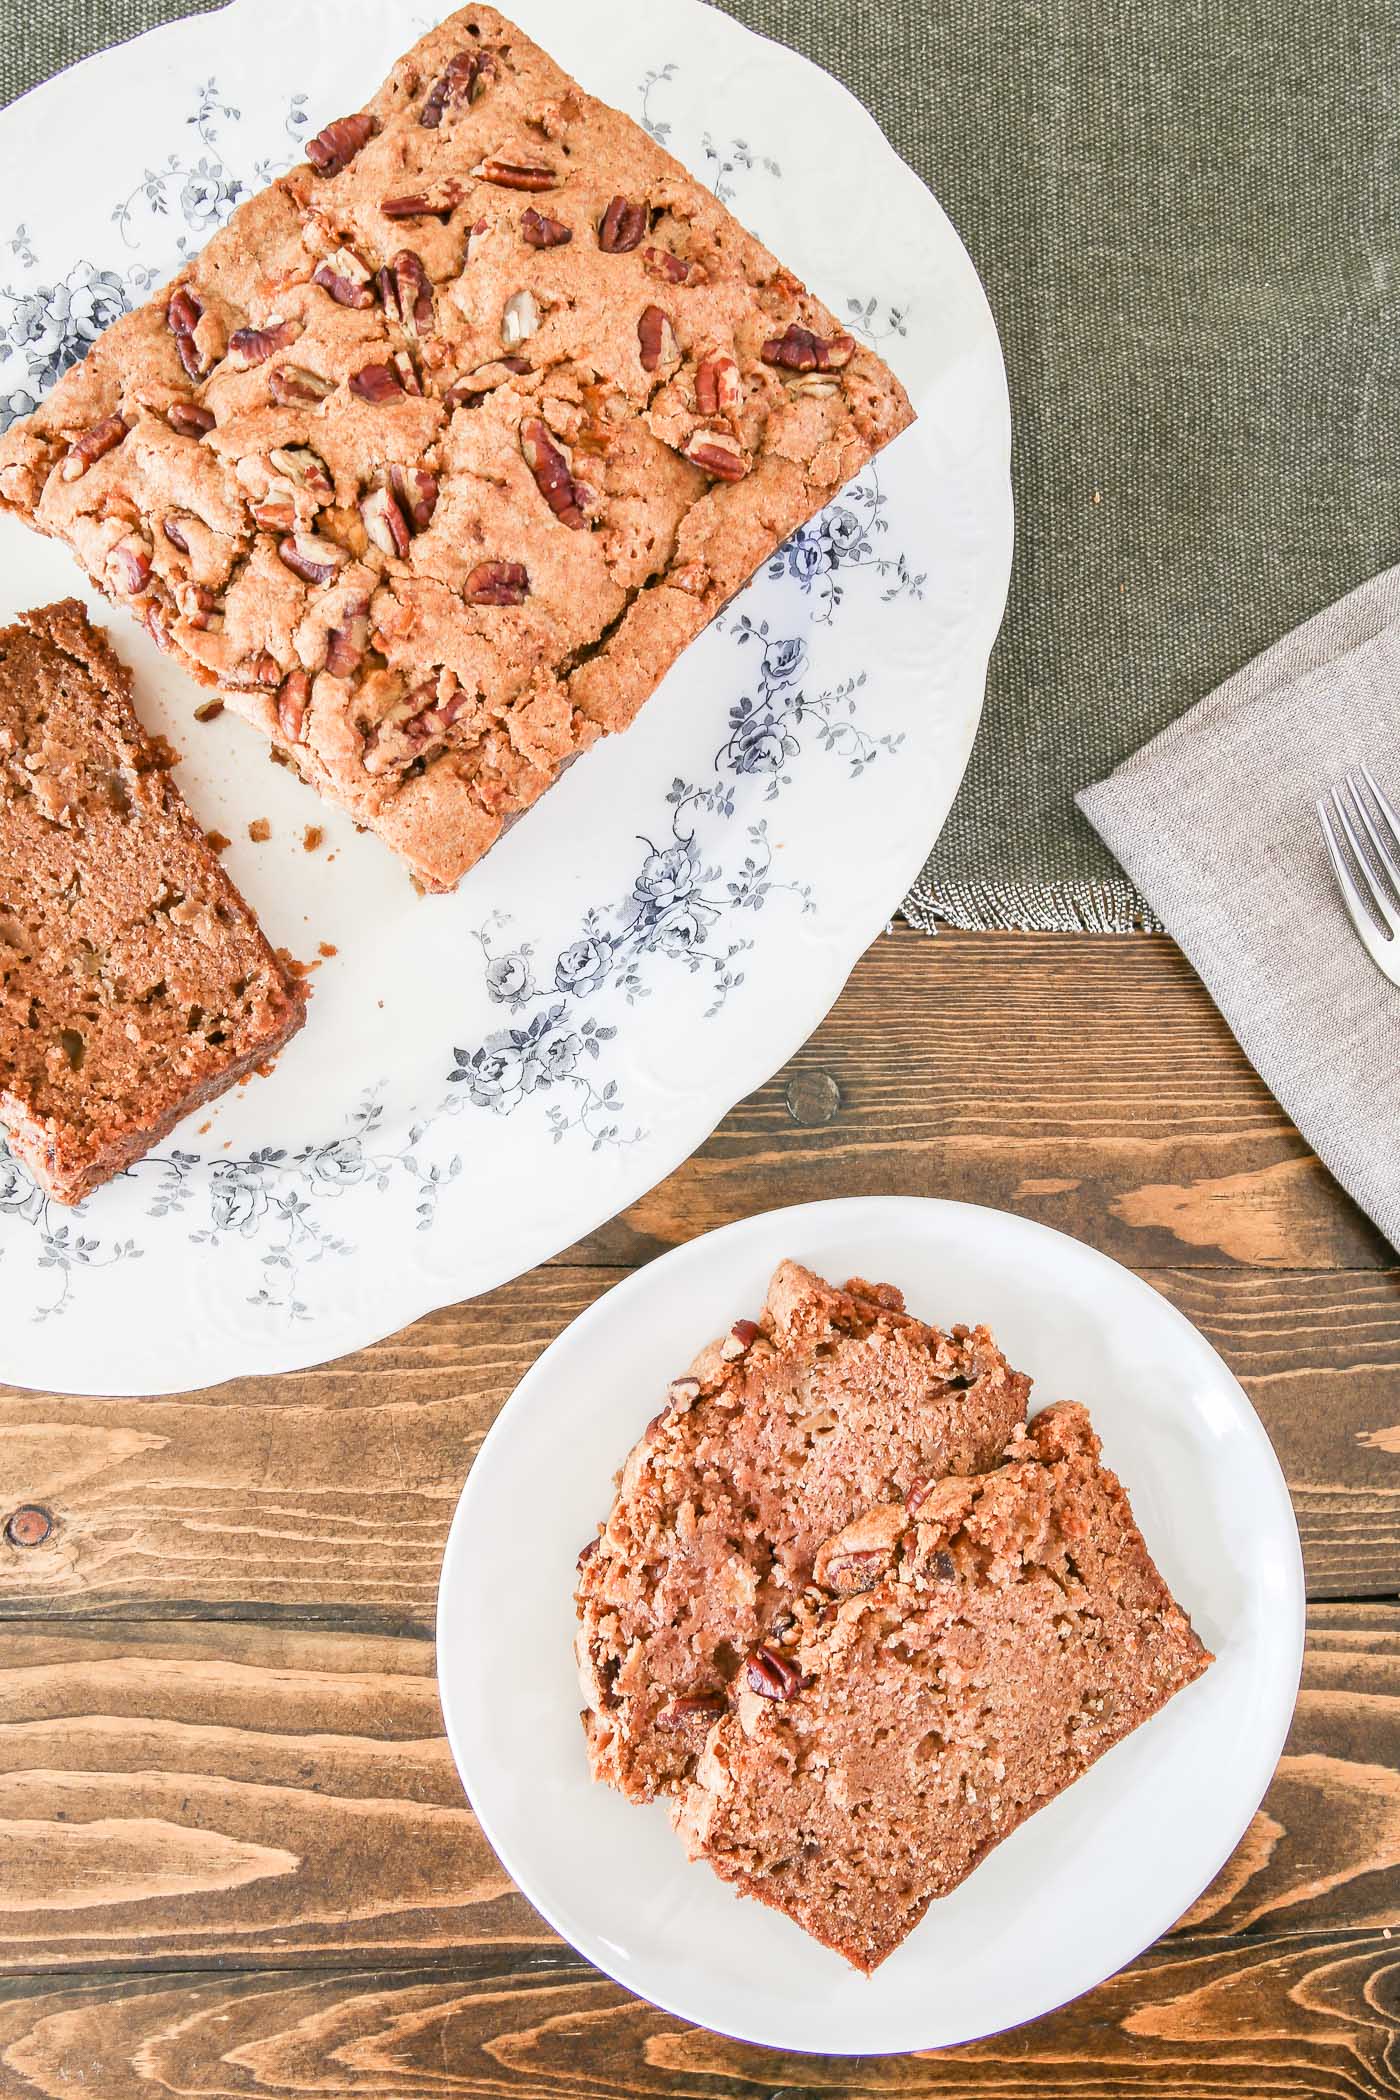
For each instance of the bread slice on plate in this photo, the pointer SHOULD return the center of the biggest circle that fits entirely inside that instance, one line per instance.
(831, 1404)
(907, 1721)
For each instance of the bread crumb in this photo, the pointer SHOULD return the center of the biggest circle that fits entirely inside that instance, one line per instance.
(208, 710)
(311, 838)
(260, 831)
(328, 948)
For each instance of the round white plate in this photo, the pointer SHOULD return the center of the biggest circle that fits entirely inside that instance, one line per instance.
(486, 1077)
(1082, 1887)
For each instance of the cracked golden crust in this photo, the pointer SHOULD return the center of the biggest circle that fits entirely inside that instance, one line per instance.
(434, 718)
(135, 983)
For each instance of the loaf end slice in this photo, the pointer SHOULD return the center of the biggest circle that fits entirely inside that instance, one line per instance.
(135, 983)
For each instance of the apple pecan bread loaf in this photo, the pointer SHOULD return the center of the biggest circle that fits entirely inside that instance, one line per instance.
(921, 1701)
(448, 443)
(134, 981)
(832, 1404)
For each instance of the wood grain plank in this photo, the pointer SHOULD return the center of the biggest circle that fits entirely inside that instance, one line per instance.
(326, 1494)
(1086, 1081)
(193, 1795)
(1319, 1356)
(1307, 2018)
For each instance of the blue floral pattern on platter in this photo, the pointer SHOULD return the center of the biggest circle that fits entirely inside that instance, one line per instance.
(704, 869)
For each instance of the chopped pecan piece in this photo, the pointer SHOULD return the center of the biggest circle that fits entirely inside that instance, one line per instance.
(293, 697)
(455, 85)
(305, 469)
(196, 366)
(520, 319)
(345, 644)
(717, 390)
(175, 535)
(336, 146)
(128, 566)
(406, 292)
(437, 202)
(858, 1555)
(408, 376)
(314, 559)
(798, 350)
(199, 608)
(739, 1340)
(183, 314)
(416, 493)
(552, 476)
(254, 346)
(477, 238)
(376, 383)
(275, 512)
(423, 714)
(718, 453)
(682, 1394)
(656, 340)
(772, 1675)
(623, 226)
(385, 523)
(91, 446)
(542, 232)
(691, 1710)
(294, 384)
(346, 278)
(497, 583)
(190, 418)
(660, 262)
(516, 174)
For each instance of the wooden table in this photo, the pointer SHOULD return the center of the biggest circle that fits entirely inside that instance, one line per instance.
(234, 1855)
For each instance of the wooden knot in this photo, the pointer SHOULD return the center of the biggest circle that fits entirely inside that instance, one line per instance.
(812, 1098)
(28, 1526)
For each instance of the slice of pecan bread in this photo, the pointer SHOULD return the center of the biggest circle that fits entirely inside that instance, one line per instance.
(135, 983)
(831, 1403)
(881, 1746)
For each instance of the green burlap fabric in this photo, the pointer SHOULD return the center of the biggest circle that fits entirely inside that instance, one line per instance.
(1185, 215)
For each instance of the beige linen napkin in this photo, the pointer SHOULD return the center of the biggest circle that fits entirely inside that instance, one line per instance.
(1214, 820)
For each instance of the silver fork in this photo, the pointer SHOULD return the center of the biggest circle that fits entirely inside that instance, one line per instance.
(1370, 879)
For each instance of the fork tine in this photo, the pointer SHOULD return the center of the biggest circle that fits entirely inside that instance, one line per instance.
(1373, 939)
(1383, 804)
(1382, 853)
(1375, 899)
